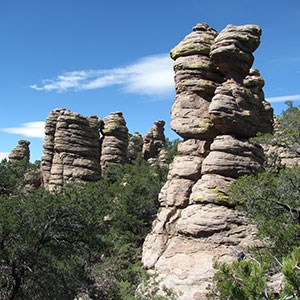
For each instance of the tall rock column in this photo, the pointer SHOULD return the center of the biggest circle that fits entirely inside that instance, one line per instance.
(114, 140)
(218, 106)
(154, 144)
(71, 149)
(21, 153)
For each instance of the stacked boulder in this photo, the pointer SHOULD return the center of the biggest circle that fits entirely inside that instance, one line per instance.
(154, 144)
(219, 105)
(114, 141)
(71, 149)
(21, 153)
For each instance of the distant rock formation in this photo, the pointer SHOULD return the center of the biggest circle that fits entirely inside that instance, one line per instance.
(219, 105)
(135, 146)
(20, 153)
(114, 141)
(154, 144)
(71, 149)
(281, 155)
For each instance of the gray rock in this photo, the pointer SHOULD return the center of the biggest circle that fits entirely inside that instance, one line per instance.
(154, 144)
(114, 141)
(71, 149)
(20, 153)
(219, 104)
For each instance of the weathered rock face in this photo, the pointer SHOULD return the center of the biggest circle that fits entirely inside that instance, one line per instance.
(154, 144)
(71, 149)
(196, 79)
(218, 106)
(114, 141)
(20, 153)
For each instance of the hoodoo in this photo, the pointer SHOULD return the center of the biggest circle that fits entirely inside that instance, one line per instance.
(219, 105)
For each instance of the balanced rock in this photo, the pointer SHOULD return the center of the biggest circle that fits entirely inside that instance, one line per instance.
(71, 149)
(154, 144)
(232, 50)
(219, 104)
(196, 78)
(114, 140)
(20, 153)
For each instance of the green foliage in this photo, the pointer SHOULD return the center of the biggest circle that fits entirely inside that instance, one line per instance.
(172, 149)
(243, 279)
(248, 279)
(48, 242)
(291, 272)
(85, 238)
(12, 176)
(272, 201)
(286, 135)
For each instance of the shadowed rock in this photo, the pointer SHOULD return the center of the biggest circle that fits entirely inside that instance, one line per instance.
(154, 144)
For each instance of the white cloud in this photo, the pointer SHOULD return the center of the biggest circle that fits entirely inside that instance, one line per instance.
(151, 75)
(31, 129)
(3, 155)
(284, 98)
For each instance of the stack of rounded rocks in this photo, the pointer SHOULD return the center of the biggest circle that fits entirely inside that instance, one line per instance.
(114, 141)
(71, 149)
(21, 153)
(219, 105)
(154, 144)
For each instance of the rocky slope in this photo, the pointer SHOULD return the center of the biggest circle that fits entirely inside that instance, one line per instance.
(219, 105)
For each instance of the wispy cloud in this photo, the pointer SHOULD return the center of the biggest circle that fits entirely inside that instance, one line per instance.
(284, 98)
(3, 155)
(151, 75)
(31, 129)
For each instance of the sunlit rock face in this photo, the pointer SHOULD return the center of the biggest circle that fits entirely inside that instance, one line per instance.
(219, 105)
(71, 149)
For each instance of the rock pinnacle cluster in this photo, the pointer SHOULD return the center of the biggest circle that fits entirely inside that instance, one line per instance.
(219, 105)
(79, 149)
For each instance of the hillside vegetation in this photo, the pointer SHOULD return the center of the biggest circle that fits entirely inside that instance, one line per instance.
(84, 239)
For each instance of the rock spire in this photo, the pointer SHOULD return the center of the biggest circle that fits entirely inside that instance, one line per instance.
(20, 153)
(71, 149)
(219, 105)
(154, 144)
(114, 141)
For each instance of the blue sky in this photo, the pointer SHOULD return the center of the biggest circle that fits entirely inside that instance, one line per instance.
(95, 57)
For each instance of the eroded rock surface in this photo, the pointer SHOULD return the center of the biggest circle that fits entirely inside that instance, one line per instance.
(219, 104)
(154, 144)
(20, 153)
(114, 142)
(71, 149)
